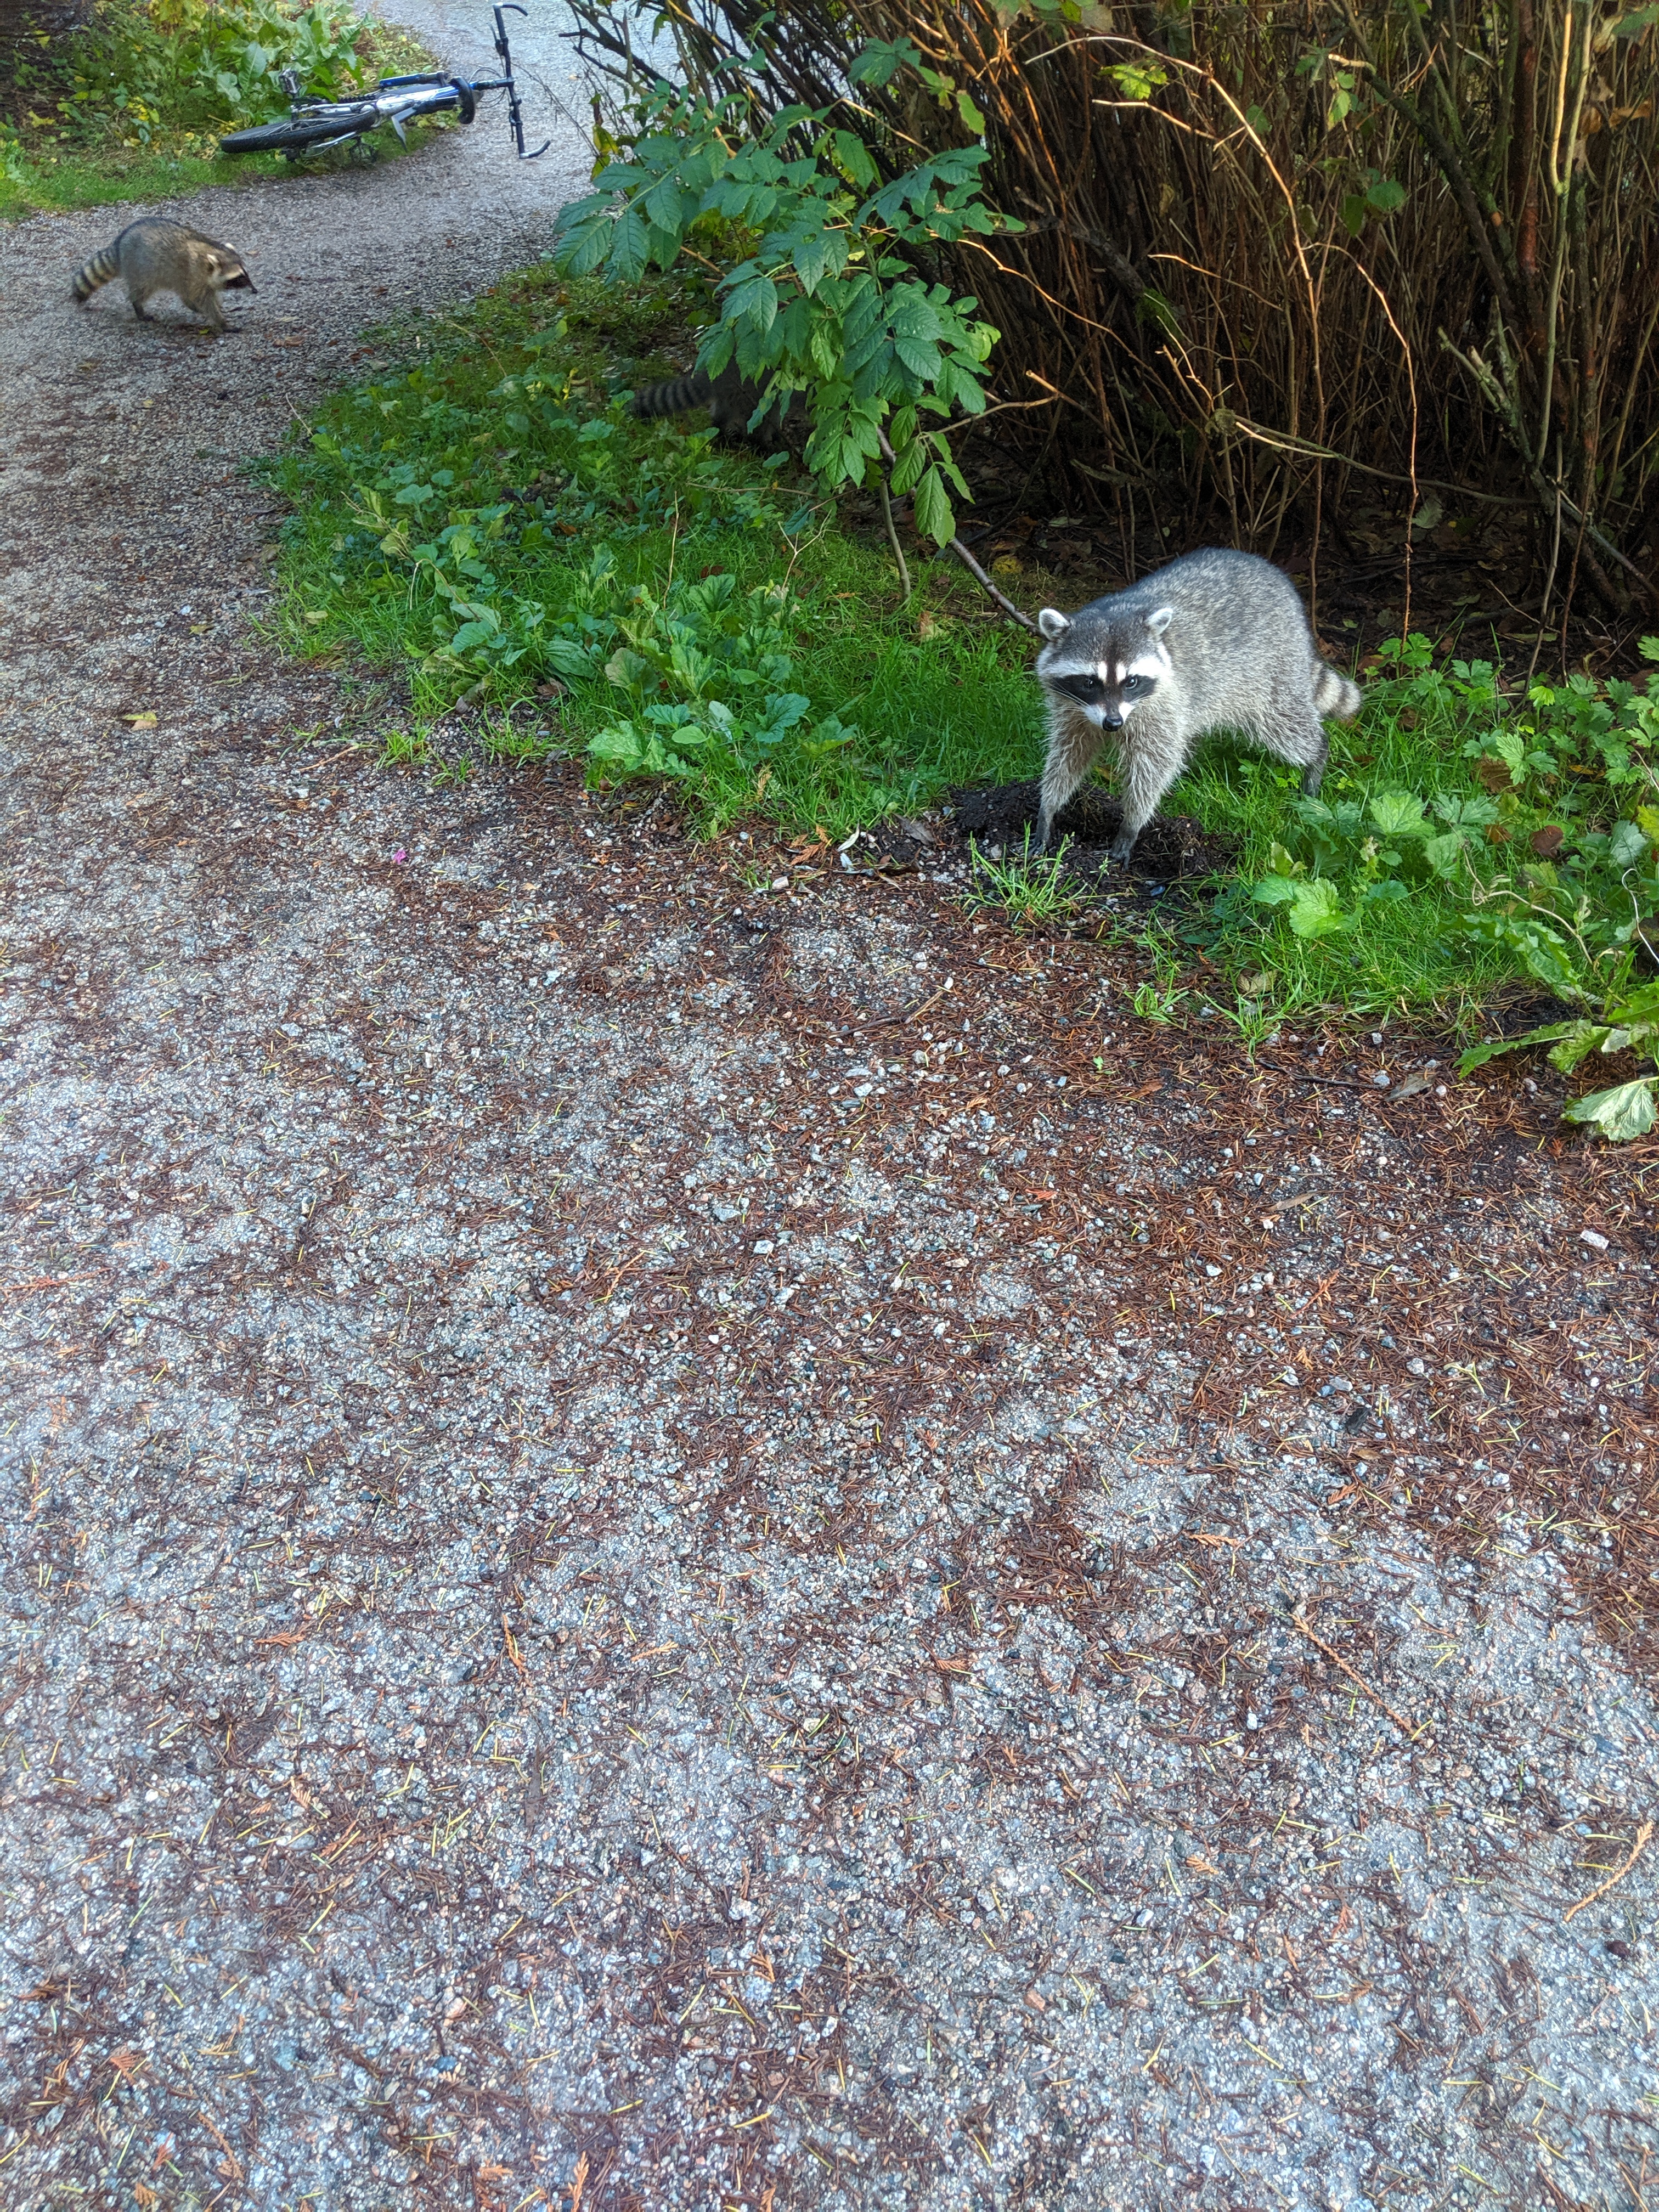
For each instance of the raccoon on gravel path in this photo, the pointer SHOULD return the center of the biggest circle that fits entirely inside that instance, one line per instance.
(157, 255)
(731, 399)
(1219, 641)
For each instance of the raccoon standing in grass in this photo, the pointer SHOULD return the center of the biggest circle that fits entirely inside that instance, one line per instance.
(1219, 641)
(731, 399)
(157, 255)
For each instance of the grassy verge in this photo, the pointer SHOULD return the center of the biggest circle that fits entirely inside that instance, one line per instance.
(494, 522)
(75, 143)
(490, 522)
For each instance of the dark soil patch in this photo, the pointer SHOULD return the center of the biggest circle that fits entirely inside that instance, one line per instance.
(1173, 853)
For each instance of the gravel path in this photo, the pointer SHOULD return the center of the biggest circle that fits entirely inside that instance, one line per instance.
(670, 1545)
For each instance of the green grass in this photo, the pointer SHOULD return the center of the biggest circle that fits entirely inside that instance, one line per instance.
(93, 159)
(488, 521)
(104, 176)
(937, 689)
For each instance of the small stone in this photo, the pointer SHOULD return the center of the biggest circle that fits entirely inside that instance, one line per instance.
(1381, 1081)
(1594, 1238)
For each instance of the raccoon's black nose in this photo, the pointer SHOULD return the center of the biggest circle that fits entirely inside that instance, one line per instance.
(1113, 721)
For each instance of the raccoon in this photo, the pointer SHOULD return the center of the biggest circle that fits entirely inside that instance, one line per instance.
(1219, 641)
(156, 255)
(731, 398)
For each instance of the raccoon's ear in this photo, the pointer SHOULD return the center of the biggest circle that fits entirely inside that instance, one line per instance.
(1158, 621)
(1053, 623)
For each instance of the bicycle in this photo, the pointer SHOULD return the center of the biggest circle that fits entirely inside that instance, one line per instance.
(313, 126)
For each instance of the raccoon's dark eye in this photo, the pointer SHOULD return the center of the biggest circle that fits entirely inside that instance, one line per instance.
(1087, 690)
(1134, 684)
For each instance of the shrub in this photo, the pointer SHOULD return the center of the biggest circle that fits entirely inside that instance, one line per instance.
(185, 66)
(1266, 250)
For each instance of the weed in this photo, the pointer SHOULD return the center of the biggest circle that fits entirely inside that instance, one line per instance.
(1031, 892)
(403, 749)
(1253, 1021)
(1160, 998)
(494, 521)
(1627, 1022)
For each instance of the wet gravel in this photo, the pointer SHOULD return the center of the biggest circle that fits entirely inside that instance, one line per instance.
(683, 1529)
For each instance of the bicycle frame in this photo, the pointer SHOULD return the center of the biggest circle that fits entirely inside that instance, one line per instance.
(400, 100)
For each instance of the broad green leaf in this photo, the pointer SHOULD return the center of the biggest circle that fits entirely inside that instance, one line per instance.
(1577, 1041)
(1317, 909)
(619, 743)
(755, 301)
(1479, 1054)
(934, 516)
(881, 59)
(1273, 891)
(909, 460)
(811, 259)
(970, 114)
(1443, 853)
(1398, 814)
(629, 668)
(1627, 843)
(567, 657)
(853, 155)
(1620, 1113)
(920, 358)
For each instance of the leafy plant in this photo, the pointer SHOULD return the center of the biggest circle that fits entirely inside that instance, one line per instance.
(1224, 202)
(1628, 1022)
(187, 64)
(1161, 998)
(830, 302)
(1582, 748)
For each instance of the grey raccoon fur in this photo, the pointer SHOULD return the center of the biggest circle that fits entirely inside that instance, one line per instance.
(155, 255)
(1219, 641)
(731, 398)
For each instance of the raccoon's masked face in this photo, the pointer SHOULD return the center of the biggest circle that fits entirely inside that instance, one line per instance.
(1106, 677)
(226, 274)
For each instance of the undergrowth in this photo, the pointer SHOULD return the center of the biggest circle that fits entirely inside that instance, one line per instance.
(492, 521)
(134, 106)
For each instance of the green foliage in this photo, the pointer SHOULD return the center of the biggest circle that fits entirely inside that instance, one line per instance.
(1628, 1022)
(134, 107)
(1032, 893)
(488, 518)
(190, 66)
(830, 300)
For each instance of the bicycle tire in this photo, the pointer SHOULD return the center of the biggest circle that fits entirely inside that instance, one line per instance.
(299, 131)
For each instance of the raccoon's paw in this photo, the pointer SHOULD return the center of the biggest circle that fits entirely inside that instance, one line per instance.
(1120, 849)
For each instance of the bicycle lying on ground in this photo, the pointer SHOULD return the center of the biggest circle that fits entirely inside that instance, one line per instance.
(313, 126)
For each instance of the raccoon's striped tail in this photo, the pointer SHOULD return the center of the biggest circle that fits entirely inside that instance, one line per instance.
(1334, 695)
(99, 270)
(677, 397)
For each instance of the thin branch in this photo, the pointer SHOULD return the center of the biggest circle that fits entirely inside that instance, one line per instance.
(893, 540)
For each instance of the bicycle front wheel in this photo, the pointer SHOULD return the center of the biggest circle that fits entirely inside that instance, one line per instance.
(300, 130)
